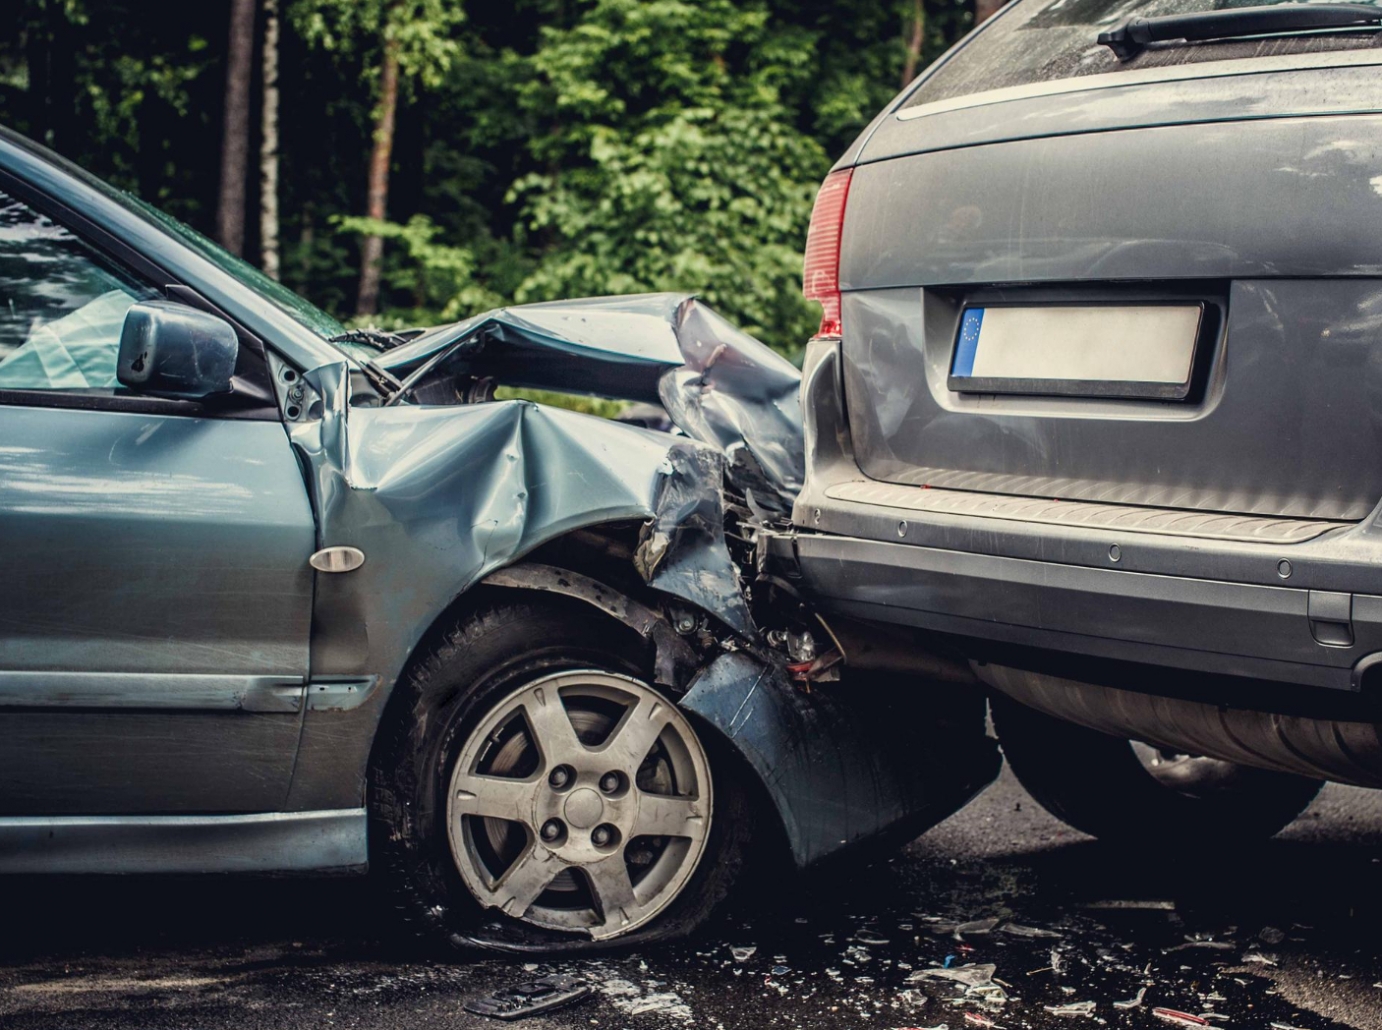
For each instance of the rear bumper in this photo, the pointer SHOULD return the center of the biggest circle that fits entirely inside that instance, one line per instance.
(1298, 613)
(1227, 629)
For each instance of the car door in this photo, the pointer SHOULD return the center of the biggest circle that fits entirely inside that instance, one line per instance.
(155, 591)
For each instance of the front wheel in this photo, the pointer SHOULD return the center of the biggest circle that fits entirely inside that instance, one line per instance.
(1122, 791)
(534, 792)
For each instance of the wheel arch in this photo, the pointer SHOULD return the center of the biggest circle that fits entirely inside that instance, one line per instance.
(576, 567)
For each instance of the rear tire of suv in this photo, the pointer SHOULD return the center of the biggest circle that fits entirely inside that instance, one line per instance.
(1100, 785)
(531, 791)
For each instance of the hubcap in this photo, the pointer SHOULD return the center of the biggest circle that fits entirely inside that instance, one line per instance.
(581, 801)
(584, 808)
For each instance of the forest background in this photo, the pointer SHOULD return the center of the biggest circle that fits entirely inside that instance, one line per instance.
(405, 162)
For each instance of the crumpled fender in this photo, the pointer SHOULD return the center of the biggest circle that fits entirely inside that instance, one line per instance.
(852, 762)
(438, 497)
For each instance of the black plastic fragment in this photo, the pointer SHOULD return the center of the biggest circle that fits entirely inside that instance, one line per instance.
(532, 998)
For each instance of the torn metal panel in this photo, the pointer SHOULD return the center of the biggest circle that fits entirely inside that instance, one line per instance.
(734, 392)
(719, 385)
(849, 764)
(683, 551)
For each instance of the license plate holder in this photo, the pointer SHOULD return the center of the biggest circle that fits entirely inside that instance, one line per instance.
(1134, 351)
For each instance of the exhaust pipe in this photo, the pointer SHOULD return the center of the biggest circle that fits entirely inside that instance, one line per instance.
(1332, 749)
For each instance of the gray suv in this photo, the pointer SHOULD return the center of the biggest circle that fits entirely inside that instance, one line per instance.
(1096, 408)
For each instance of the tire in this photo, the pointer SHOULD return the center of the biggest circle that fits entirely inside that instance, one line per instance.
(1110, 788)
(463, 718)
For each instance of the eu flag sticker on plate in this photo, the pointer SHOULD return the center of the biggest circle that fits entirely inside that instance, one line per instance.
(970, 324)
(1089, 350)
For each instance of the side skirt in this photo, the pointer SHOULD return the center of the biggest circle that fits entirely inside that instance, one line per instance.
(272, 842)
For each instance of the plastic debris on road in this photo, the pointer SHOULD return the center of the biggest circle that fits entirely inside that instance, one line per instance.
(1020, 930)
(976, 926)
(969, 976)
(1132, 1003)
(1074, 1008)
(532, 998)
(1177, 1018)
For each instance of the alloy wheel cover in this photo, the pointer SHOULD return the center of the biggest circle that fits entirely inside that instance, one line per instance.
(626, 810)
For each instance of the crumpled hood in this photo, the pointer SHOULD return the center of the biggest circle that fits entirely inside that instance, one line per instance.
(718, 384)
(439, 496)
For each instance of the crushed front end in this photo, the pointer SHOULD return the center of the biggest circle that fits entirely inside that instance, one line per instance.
(677, 532)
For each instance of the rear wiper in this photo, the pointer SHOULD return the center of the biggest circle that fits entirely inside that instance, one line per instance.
(1128, 40)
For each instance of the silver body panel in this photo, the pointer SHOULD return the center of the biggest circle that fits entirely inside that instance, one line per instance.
(157, 601)
(261, 843)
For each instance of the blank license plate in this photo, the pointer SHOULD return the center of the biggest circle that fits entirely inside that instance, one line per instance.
(1145, 350)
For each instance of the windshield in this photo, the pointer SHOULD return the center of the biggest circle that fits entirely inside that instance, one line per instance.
(1043, 40)
(308, 314)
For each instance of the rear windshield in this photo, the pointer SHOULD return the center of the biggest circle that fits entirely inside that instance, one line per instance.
(1041, 40)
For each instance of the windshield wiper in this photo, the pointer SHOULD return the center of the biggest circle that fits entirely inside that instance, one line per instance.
(1129, 39)
(368, 336)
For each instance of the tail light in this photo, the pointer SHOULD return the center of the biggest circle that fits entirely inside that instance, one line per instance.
(821, 271)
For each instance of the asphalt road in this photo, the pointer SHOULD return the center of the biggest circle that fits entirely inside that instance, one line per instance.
(1285, 934)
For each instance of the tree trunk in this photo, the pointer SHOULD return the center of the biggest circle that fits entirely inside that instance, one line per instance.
(915, 38)
(986, 9)
(38, 47)
(50, 56)
(307, 240)
(235, 138)
(372, 249)
(268, 147)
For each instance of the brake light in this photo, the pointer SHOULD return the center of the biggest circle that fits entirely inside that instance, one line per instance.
(821, 270)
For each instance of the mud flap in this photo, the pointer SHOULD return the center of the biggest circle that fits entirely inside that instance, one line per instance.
(850, 762)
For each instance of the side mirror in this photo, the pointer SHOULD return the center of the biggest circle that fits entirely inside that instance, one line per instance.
(171, 350)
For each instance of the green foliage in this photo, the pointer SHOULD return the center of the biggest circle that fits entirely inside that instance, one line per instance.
(423, 31)
(674, 162)
(440, 277)
(603, 407)
(544, 148)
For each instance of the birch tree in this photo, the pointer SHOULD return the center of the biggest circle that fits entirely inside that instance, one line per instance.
(268, 146)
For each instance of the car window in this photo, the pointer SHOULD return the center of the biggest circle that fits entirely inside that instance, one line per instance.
(61, 305)
(1044, 40)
